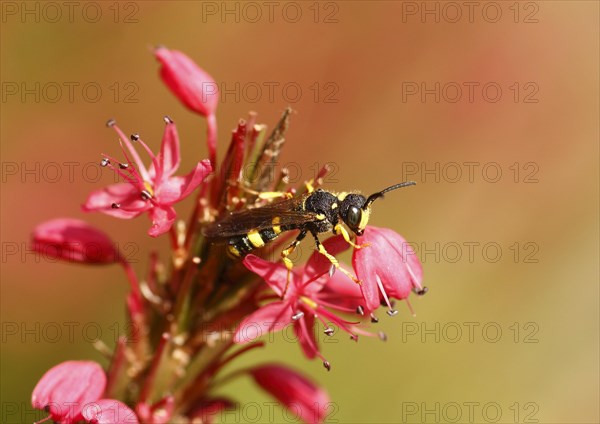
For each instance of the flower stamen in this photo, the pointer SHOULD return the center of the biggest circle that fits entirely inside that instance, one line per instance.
(43, 420)
(410, 308)
(136, 157)
(391, 312)
(146, 195)
(131, 178)
(309, 302)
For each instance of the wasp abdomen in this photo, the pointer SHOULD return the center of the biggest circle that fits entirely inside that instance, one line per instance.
(242, 245)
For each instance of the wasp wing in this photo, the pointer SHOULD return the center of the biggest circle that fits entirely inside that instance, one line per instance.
(289, 213)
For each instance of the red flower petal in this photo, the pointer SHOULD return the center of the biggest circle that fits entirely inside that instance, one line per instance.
(124, 194)
(343, 293)
(67, 388)
(300, 396)
(274, 274)
(170, 156)
(74, 240)
(318, 264)
(389, 258)
(162, 218)
(272, 317)
(305, 331)
(194, 87)
(366, 273)
(175, 189)
(109, 411)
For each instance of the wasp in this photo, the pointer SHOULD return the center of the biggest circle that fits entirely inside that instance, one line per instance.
(314, 212)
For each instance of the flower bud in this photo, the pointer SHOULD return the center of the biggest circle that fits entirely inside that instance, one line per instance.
(195, 88)
(74, 240)
(68, 388)
(300, 396)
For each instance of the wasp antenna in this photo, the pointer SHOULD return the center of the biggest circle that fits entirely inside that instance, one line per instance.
(379, 194)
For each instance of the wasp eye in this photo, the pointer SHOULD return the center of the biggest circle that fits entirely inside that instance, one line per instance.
(354, 216)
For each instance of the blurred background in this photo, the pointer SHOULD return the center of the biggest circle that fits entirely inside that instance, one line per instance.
(492, 107)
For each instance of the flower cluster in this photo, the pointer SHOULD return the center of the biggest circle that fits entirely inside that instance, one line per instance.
(195, 313)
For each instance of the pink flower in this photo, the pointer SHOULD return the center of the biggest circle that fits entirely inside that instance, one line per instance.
(67, 388)
(109, 411)
(195, 88)
(305, 300)
(388, 267)
(154, 190)
(299, 395)
(74, 240)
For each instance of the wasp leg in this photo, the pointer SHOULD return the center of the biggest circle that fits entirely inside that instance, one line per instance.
(321, 249)
(339, 229)
(309, 186)
(287, 261)
(267, 195)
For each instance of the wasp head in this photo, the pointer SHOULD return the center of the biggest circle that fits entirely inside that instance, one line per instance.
(356, 209)
(353, 214)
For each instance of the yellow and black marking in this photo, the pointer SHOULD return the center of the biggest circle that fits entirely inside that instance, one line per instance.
(315, 212)
(254, 239)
